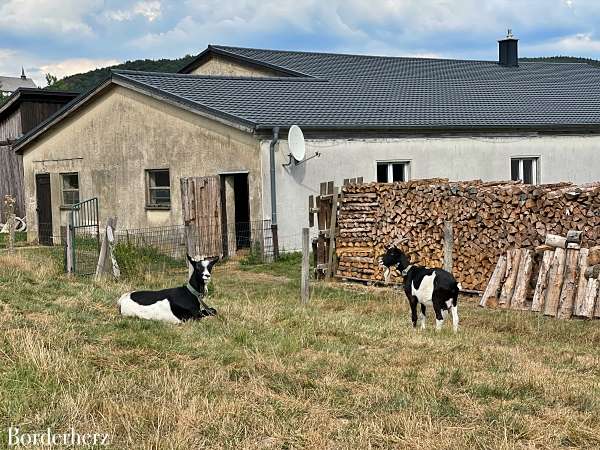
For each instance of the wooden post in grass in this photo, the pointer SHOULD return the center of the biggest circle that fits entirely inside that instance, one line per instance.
(70, 250)
(9, 214)
(448, 245)
(304, 281)
(104, 249)
(332, 225)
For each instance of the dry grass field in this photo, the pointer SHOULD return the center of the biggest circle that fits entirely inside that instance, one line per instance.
(346, 372)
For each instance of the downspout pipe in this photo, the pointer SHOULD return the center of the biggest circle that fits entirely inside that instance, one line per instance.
(274, 142)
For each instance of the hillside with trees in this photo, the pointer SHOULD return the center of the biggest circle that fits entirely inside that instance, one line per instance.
(83, 82)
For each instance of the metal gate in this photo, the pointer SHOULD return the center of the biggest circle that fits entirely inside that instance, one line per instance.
(82, 245)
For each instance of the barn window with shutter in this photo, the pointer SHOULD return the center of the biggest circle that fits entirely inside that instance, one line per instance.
(524, 169)
(392, 171)
(158, 189)
(70, 188)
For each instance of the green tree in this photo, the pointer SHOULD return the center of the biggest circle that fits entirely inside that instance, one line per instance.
(50, 79)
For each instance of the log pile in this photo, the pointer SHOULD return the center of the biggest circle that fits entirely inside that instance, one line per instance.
(488, 219)
(567, 283)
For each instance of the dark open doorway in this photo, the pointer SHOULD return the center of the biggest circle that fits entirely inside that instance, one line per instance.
(235, 202)
(242, 210)
(44, 208)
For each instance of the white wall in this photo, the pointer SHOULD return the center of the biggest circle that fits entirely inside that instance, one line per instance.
(561, 158)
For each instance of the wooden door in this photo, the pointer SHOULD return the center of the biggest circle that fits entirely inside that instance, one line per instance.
(44, 208)
(201, 202)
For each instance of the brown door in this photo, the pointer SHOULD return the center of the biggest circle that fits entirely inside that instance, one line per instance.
(44, 208)
(201, 200)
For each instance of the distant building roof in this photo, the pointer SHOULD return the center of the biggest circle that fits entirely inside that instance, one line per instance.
(34, 95)
(11, 84)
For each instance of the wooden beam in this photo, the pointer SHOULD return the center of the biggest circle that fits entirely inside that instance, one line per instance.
(304, 281)
(541, 287)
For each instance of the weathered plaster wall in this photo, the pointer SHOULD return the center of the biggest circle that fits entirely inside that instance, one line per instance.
(217, 65)
(120, 135)
(562, 158)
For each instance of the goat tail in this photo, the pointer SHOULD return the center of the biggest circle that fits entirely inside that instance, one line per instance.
(459, 286)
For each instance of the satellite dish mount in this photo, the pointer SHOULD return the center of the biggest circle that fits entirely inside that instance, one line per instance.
(297, 147)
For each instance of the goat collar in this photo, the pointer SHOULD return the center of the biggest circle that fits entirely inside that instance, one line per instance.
(193, 291)
(405, 271)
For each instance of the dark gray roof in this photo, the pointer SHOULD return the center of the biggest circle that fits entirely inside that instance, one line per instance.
(354, 91)
(323, 91)
(11, 84)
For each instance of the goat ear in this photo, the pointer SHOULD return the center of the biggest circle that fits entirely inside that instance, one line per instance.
(213, 261)
(191, 261)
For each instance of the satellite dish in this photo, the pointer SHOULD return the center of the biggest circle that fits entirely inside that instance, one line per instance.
(296, 143)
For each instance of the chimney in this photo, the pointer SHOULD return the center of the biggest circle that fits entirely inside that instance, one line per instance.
(23, 77)
(508, 51)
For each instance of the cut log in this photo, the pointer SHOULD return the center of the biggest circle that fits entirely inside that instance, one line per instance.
(592, 271)
(597, 300)
(594, 256)
(589, 300)
(555, 281)
(513, 258)
(574, 236)
(554, 240)
(519, 298)
(569, 288)
(581, 284)
(493, 288)
(543, 248)
(541, 287)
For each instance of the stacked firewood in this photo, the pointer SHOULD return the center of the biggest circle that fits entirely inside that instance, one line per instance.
(558, 279)
(487, 219)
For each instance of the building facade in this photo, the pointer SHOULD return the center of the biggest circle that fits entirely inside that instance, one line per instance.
(384, 119)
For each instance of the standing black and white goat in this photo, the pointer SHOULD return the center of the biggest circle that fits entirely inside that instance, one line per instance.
(425, 287)
(173, 305)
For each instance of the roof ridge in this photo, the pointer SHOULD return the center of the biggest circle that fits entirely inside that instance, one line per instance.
(303, 52)
(214, 77)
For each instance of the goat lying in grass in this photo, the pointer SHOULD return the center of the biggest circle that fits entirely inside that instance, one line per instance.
(425, 287)
(173, 305)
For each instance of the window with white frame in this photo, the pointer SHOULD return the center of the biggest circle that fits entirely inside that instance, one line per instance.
(524, 169)
(391, 171)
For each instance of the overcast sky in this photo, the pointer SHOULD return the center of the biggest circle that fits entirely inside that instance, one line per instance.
(70, 36)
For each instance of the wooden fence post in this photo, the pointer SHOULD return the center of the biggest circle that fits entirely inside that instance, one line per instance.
(448, 245)
(304, 282)
(70, 249)
(332, 225)
(275, 237)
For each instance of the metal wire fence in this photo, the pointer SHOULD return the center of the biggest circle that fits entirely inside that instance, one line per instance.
(159, 249)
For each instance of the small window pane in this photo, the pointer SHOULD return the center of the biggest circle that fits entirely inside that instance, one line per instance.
(527, 171)
(160, 196)
(382, 172)
(398, 169)
(71, 181)
(159, 178)
(514, 169)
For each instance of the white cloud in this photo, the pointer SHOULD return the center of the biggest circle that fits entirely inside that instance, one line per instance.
(581, 44)
(68, 67)
(150, 10)
(63, 17)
